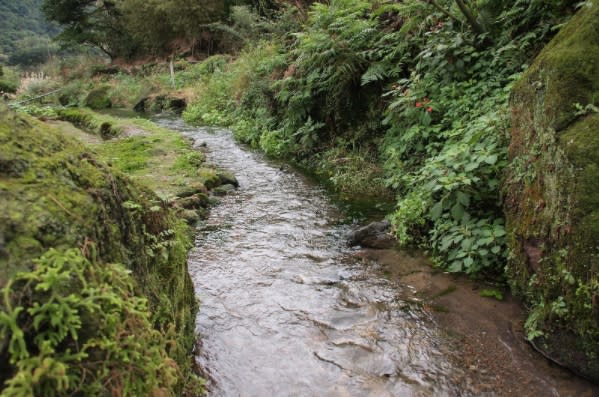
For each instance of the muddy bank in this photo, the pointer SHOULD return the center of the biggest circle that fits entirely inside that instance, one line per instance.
(488, 334)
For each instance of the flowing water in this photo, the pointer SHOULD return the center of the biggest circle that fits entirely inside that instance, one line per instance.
(287, 309)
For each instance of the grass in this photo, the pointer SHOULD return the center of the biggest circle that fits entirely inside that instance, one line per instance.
(157, 157)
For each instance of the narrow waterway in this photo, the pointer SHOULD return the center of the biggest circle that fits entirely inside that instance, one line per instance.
(287, 309)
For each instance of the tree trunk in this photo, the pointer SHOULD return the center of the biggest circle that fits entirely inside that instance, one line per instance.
(467, 12)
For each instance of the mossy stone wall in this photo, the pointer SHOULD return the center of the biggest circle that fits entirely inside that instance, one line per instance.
(54, 193)
(552, 194)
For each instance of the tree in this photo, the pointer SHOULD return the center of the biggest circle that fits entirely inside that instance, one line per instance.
(465, 10)
(32, 50)
(97, 23)
(126, 28)
(156, 23)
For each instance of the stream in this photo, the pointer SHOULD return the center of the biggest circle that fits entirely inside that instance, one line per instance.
(287, 309)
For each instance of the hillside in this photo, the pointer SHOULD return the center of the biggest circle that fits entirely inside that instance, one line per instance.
(23, 27)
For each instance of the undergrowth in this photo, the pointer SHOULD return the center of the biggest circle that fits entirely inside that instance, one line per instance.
(393, 97)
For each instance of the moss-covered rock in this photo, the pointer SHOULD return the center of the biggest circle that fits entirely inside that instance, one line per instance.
(98, 98)
(552, 197)
(86, 120)
(209, 177)
(156, 103)
(55, 194)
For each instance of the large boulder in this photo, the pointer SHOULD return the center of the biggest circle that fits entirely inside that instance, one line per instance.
(374, 235)
(552, 194)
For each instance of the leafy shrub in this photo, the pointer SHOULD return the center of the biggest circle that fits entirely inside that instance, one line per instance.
(413, 91)
(445, 148)
(8, 86)
(98, 98)
(9, 81)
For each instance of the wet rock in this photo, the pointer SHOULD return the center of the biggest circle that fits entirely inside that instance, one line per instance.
(209, 177)
(223, 190)
(374, 235)
(552, 196)
(194, 188)
(193, 202)
(226, 178)
(190, 216)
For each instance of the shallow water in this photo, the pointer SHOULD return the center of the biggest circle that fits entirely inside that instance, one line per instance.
(288, 310)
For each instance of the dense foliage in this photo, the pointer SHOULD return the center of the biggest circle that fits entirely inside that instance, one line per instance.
(405, 97)
(9, 80)
(409, 100)
(132, 28)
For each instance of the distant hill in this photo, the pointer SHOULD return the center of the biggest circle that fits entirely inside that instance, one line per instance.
(22, 28)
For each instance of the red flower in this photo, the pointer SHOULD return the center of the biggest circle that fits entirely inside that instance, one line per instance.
(429, 109)
(418, 104)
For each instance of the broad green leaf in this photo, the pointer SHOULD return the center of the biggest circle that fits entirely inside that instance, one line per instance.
(468, 261)
(436, 211)
(457, 212)
(456, 266)
(463, 199)
(492, 159)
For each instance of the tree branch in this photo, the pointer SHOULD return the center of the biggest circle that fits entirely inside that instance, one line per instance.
(467, 12)
(443, 10)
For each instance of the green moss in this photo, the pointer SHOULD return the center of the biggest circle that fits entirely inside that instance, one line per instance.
(55, 193)
(90, 122)
(162, 160)
(209, 177)
(75, 310)
(552, 198)
(581, 144)
(98, 98)
(189, 162)
(567, 70)
(130, 154)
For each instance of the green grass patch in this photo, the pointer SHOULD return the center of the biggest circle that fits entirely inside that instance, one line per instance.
(492, 293)
(159, 158)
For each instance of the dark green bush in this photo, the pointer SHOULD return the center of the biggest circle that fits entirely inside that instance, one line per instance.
(98, 98)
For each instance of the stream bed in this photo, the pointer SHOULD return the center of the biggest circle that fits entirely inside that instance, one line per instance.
(287, 309)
